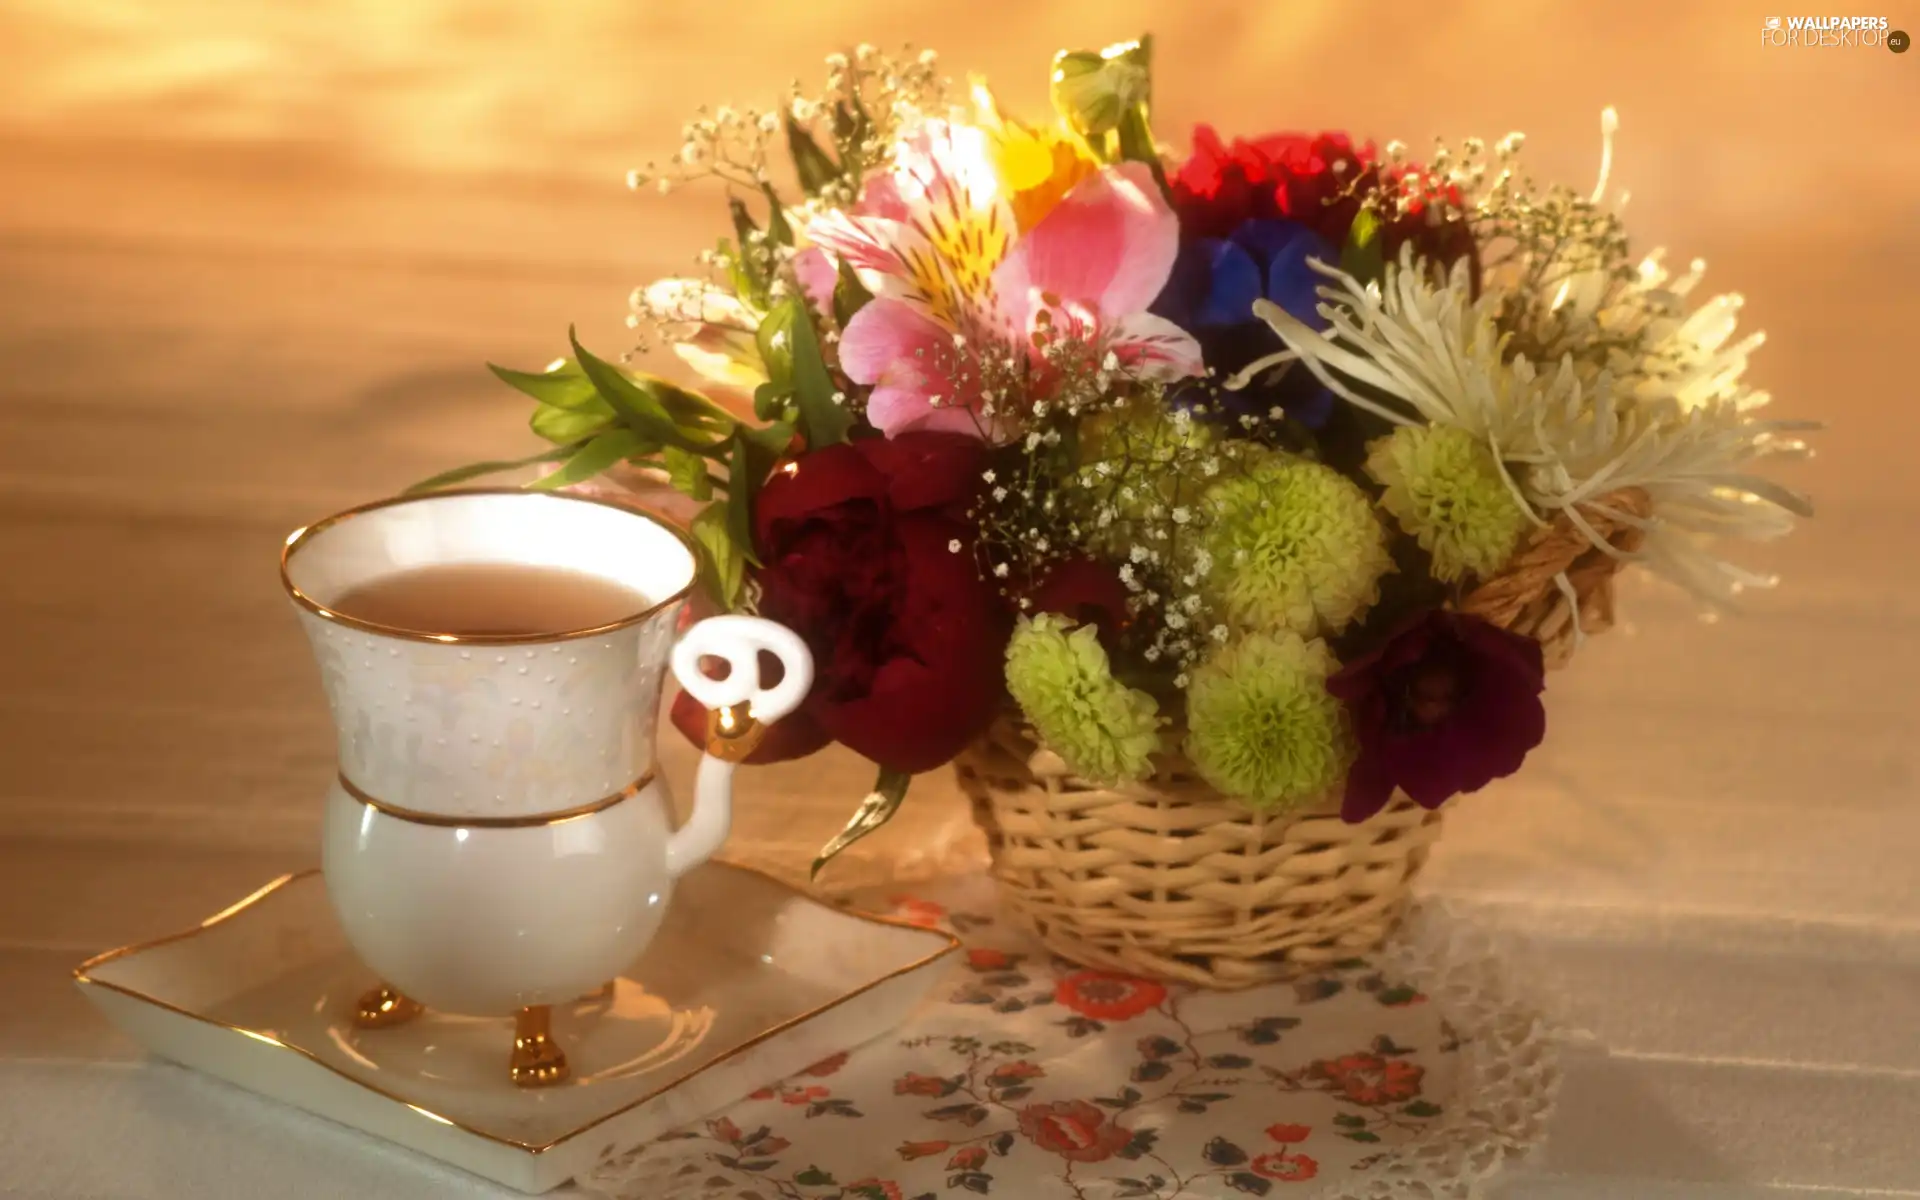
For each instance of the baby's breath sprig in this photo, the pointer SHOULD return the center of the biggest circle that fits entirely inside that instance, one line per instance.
(1145, 490)
(871, 95)
(1107, 469)
(728, 144)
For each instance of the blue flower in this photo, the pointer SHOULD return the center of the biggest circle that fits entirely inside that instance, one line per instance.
(1210, 294)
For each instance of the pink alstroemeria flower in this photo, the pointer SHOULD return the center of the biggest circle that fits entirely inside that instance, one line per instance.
(935, 242)
(817, 276)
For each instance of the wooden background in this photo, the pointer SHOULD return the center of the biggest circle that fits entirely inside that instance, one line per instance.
(253, 257)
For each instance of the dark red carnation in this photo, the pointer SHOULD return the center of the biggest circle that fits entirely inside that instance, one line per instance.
(856, 546)
(1447, 705)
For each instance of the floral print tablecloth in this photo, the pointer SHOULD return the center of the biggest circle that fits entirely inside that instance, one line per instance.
(1415, 1072)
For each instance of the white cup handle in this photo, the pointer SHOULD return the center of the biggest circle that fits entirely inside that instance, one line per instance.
(739, 711)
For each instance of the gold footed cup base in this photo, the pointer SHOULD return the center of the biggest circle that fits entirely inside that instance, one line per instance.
(384, 1007)
(537, 1059)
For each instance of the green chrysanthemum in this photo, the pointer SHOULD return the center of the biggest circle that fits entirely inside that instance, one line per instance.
(1059, 675)
(1444, 488)
(1261, 725)
(1294, 545)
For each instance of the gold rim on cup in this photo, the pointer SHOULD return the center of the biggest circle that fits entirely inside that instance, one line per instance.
(300, 537)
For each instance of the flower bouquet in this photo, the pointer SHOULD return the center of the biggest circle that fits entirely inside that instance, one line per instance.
(1217, 518)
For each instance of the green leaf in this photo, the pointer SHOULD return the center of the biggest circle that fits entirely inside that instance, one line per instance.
(557, 424)
(849, 294)
(849, 122)
(566, 386)
(1350, 1121)
(737, 276)
(1363, 257)
(814, 1177)
(774, 339)
(722, 564)
(475, 470)
(1361, 1135)
(688, 408)
(876, 810)
(852, 130)
(752, 264)
(810, 162)
(1421, 1108)
(1135, 141)
(769, 442)
(688, 473)
(1386, 1047)
(1223, 1153)
(742, 482)
(770, 401)
(743, 227)
(637, 410)
(778, 230)
(613, 446)
(791, 351)
(823, 420)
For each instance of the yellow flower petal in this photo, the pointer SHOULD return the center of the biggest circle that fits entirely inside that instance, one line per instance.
(1037, 166)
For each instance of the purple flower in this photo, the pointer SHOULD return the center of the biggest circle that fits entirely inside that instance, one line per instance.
(1447, 705)
(1211, 293)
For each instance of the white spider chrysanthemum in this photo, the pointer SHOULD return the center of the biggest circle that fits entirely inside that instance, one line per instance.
(1644, 331)
(1677, 426)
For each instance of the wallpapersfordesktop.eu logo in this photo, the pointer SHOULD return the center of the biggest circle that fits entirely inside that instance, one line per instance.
(1831, 31)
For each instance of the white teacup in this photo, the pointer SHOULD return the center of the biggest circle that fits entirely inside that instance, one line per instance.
(498, 839)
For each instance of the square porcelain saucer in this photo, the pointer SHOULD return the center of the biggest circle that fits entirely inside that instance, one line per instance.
(747, 982)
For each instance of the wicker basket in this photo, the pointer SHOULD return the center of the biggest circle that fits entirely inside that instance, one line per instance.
(1168, 878)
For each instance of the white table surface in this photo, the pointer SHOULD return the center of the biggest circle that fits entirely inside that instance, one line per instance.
(244, 281)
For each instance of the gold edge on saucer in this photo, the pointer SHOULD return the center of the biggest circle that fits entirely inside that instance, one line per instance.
(276, 1043)
(232, 910)
(83, 978)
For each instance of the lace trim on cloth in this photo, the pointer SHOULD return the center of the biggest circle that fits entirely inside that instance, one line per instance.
(1504, 1073)
(1510, 1066)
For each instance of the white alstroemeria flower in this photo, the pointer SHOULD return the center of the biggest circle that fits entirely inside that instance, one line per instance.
(711, 328)
(694, 301)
